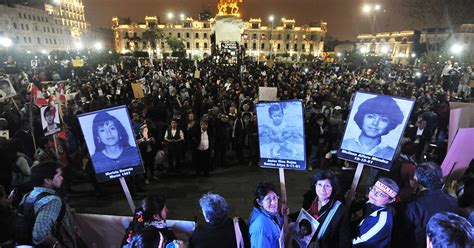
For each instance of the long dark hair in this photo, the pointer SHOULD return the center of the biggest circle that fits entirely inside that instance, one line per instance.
(100, 120)
(150, 206)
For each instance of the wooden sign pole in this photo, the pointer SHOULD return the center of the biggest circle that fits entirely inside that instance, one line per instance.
(355, 183)
(127, 194)
(284, 201)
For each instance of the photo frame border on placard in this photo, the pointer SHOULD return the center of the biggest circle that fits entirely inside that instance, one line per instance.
(57, 120)
(314, 223)
(279, 163)
(122, 172)
(369, 159)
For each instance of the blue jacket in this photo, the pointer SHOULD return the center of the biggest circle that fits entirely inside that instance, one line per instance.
(264, 230)
(375, 229)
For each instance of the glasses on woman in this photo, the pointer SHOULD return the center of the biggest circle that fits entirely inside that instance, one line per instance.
(378, 193)
(269, 199)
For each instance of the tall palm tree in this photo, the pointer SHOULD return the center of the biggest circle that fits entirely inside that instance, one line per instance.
(152, 36)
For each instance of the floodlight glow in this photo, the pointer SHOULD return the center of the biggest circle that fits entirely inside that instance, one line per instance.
(377, 7)
(457, 48)
(363, 49)
(271, 18)
(44, 52)
(98, 45)
(338, 54)
(79, 45)
(413, 55)
(384, 49)
(418, 74)
(170, 15)
(366, 8)
(6, 42)
(182, 16)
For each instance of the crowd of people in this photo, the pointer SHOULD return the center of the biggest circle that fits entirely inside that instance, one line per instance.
(194, 123)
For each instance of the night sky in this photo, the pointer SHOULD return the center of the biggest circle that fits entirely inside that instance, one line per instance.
(344, 17)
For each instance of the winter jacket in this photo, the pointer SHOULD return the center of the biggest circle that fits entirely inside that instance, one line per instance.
(375, 229)
(264, 229)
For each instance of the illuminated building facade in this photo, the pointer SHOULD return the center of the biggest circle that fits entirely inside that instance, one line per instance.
(284, 39)
(398, 47)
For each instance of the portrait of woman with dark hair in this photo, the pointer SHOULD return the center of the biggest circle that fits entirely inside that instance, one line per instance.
(375, 117)
(112, 148)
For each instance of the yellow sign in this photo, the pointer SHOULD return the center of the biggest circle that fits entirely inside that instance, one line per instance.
(197, 74)
(137, 89)
(77, 62)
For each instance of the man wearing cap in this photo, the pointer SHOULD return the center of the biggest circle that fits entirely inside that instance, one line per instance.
(429, 200)
(376, 227)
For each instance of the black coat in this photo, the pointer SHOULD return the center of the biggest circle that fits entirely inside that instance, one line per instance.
(416, 214)
(196, 137)
(338, 234)
(218, 236)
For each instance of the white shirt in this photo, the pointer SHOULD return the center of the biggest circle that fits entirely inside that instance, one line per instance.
(419, 132)
(446, 70)
(204, 144)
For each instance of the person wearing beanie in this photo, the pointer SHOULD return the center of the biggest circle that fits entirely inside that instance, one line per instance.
(376, 227)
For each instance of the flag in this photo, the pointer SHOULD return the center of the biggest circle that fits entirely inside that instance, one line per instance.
(38, 97)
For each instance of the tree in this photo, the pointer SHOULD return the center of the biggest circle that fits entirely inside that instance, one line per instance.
(152, 36)
(437, 14)
(177, 46)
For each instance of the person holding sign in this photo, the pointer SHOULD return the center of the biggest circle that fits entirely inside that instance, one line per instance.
(375, 230)
(266, 223)
(112, 147)
(320, 202)
(375, 118)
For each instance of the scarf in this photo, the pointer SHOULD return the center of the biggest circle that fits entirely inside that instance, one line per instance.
(160, 224)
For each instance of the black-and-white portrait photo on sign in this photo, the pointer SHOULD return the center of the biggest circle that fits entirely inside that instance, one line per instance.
(374, 128)
(50, 120)
(111, 143)
(6, 89)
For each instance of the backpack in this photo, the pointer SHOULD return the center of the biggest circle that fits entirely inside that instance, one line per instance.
(25, 219)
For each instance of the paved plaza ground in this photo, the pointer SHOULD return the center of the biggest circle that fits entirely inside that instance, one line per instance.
(235, 184)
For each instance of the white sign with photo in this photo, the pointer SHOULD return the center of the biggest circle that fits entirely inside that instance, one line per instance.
(374, 128)
(50, 120)
(267, 94)
(302, 231)
(6, 89)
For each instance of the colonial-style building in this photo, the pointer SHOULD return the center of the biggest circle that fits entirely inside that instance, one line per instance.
(33, 29)
(284, 39)
(398, 47)
(45, 25)
(403, 46)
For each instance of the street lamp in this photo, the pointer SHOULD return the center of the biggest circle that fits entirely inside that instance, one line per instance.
(271, 18)
(413, 55)
(170, 15)
(371, 9)
(182, 16)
